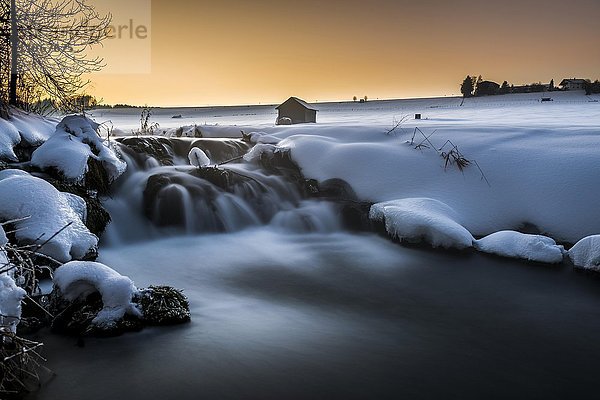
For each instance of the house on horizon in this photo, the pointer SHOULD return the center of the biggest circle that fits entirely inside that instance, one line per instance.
(487, 88)
(573, 84)
(297, 111)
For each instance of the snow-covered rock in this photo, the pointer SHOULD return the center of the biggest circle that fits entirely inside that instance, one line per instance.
(257, 151)
(9, 138)
(422, 219)
(586, 253)
(10, 302)
(73, 143)
(184, 131)
(33, 129)
(520, 245)
(3, 242)
(261, 137)
(41, 211)
(3, 238)
(77, 204)
(78, 279)
(198, 158)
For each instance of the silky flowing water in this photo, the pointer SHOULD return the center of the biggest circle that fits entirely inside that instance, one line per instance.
(289, 307)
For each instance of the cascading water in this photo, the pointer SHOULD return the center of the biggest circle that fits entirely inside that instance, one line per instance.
(161, 194)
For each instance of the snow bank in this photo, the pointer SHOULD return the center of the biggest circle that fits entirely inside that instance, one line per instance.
(78, 279)
(44, 212)
(72, 145)
(519, 245)
(586, 253)
(422, 219)
(542, 175)
(198, 158)
(10, 302)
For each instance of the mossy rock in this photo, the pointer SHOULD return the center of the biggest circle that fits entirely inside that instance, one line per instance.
(159, 148)
(160, 305)
(164, 305)
(75, 318)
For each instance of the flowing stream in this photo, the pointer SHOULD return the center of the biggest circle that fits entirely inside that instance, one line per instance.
(287, 304)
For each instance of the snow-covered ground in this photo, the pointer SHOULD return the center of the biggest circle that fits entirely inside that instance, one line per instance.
(492, 110)
(531, 163)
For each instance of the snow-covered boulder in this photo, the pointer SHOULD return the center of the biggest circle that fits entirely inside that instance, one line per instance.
(260, 137)
(9, 138)
(10, 302)
(422, 219)
(184, 131)
(255, 154)
(41, 211)
(586, 253)
(79, 279)
(520, 245)
(3, 242)
(198, 158)
(33, 129)
(92, 298)
(72, 145)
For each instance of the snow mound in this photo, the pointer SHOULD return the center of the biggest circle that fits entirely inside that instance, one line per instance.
(422, 219)
(198, 158)
(68, 150)
(586, 253)
(33, 129)
(42, 211)
(9, 138)
(257, 152)
(520, 245)
(78, 279)
(3, 238)
(192, 131)
(3, 242)
(10, 302)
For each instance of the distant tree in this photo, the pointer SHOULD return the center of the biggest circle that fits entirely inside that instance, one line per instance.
(537, 87)
(592, 87)
(551, 85)
(355, 98)
(366, 98)
(505, 88)
(468, 86)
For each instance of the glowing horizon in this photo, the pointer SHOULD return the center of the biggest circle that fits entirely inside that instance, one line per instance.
(240, 53)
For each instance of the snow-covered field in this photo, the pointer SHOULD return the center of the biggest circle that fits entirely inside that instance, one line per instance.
(526, 163)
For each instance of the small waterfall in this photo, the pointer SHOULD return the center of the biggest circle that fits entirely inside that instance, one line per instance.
(153, 199)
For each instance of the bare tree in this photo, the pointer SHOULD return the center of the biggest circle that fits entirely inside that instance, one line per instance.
(49, 41)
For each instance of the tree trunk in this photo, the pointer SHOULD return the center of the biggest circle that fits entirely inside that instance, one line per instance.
(14, 43)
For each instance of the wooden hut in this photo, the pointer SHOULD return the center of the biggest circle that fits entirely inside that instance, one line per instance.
(297, 111)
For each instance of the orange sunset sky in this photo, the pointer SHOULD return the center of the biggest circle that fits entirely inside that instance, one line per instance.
(249, 52)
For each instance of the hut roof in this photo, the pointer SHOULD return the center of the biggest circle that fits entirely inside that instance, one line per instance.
(299, 101)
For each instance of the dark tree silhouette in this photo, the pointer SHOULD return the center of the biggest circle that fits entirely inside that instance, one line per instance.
(468, 86)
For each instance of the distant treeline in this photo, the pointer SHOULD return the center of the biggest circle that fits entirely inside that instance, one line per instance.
(475, 86)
